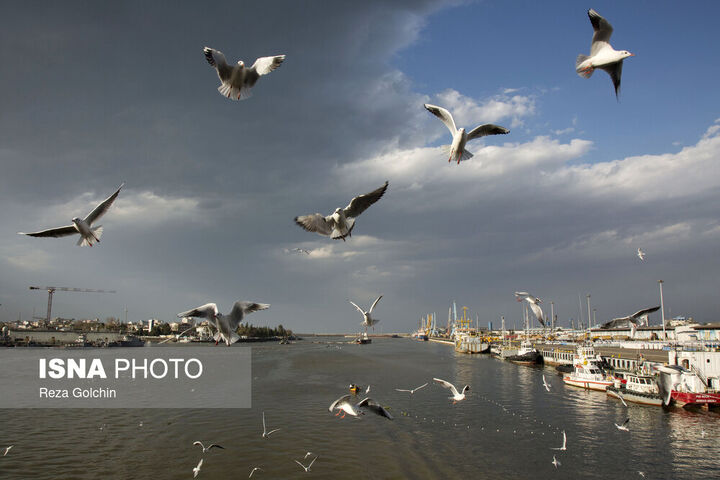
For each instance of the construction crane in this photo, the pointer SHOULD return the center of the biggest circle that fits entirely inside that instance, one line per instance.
(52, 290)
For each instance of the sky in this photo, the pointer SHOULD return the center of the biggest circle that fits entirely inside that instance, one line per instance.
(94, 94)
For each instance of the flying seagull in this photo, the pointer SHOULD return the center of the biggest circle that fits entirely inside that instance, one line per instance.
(83, 226)
(638, 318)
(265, 433)
(196, 470)
(460, 136)
(556, 462)
(340, 223)
(564, 445)
(368, 321)
(237, 80)
(344, 405)
(308, 467)
(622, 399)
(413, 390)
(7, 449)
(641, 254)
(457, 397)
(545, 384)
(225, 324)
(624, 425)
(253, 471)
(602, 54)
(204, 449)
(533, 301)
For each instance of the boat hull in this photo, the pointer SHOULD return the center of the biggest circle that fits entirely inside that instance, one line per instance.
(530, 358)
(683, 399)
(653, 399)
(599, 385)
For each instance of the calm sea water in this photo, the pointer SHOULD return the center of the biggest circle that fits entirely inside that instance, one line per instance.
(504, 429)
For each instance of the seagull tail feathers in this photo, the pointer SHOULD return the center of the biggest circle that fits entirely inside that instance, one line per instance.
(234, 93)
(585, 72)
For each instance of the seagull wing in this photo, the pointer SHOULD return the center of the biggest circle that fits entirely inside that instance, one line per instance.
(443, 115)
(361, 203)
(209, 310)
(602, 31)
(375, 303)
(355, 305)
(303, 466)
(54, 232)
(316, 223)
(447, 384)
(101, 209)
(313, 461)
(375, 407)
(646, 311)
(216, 59)
(616, 322)
(265, 65)
(215, 445)
(537, 311)
(344, 398)
(487, 129)
(199, 443)
(402, 390)
(421, 386)
(615, 72)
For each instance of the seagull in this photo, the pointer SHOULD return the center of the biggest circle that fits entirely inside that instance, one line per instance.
(308, 454)
(638, 318)
(265, 433)
(564, 445)
(205, 450)
(83, 226)
(341, 222)
(196, 470)
(367, 390)
(225, 324)
(545, 384)
(253, 471)
(641, 254)
(237, 80)
(413, 390)
(533, 301)
(343, 404)
(370, 404)
(556, 462)
(624, 425)
(368, 321)
(457, 397)
(620, 396)
(308, 467)
(602, 54)
(460, 137)
(642, 474)
(7, 449)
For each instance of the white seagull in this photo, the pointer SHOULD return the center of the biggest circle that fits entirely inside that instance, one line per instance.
(83, 226)
(602, 54)
(564, 445)
(556, 462)
(207, 449)
(545, 384)
(265, 433)
(641, 254)
(624, 425)
(196, 470)
(620, 396)
(344, 405)
(533, 302)
(253, 471)
(368, 321)
(225, 324)
(308, 467)
(413, 390)
(457, 397)
(460, 136)
(638, 318)
(7, 449)
(341, 222)
(367, 390)
(237, 80)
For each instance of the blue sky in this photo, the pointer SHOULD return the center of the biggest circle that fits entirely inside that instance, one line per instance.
(104, 93)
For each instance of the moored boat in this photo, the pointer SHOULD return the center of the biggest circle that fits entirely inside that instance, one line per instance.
(589, 377)
(641, 389)
(526, 355)
(685, 388)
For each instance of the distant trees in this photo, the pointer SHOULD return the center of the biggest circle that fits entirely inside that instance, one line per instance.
(250, 330)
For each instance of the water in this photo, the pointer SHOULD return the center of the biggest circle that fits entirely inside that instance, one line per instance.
(503, 430)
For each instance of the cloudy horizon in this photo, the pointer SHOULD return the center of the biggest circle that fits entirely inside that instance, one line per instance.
(100, 94)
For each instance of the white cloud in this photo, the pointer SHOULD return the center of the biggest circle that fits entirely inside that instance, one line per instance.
(470, 113)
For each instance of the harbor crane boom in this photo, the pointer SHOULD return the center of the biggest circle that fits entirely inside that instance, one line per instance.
(52, 290)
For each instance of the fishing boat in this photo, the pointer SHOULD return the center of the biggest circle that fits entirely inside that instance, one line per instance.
(683, 387)
(642, 389)
(589, 376)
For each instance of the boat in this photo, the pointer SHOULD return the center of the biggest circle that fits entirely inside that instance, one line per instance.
(685, 388)
(587, 372)
(526, 355)
(468, 343)
(637, 388)
(363, 339)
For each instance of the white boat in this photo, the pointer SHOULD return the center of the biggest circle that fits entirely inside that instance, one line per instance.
(641, 389)
(467, 343)
(589, 377)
